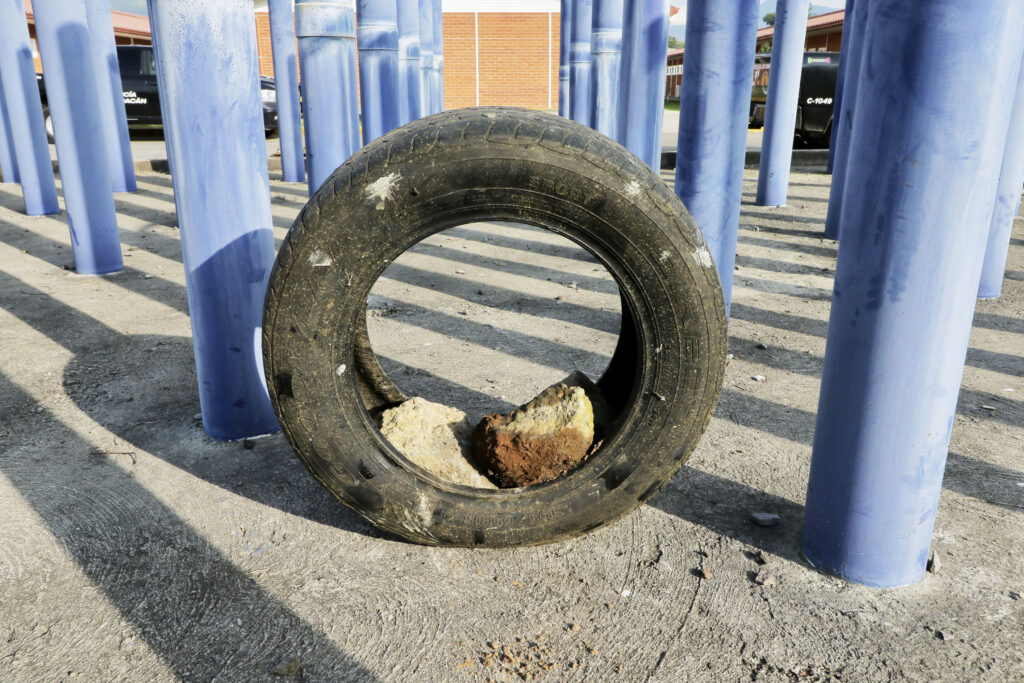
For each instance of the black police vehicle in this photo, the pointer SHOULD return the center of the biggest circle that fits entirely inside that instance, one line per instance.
(142, 99)
(815, 102)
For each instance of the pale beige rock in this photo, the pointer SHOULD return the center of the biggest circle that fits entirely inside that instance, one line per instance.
(436, 437)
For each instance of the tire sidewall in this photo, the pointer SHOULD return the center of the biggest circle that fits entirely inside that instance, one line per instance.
(372, 210)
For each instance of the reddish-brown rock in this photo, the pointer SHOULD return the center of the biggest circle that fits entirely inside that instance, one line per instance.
(539, 441)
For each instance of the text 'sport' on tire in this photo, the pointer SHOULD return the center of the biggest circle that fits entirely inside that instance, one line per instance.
(492, 164)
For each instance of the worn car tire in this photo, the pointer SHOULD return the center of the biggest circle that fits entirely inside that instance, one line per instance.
(492, 164)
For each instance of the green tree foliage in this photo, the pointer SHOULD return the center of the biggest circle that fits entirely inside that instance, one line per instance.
(674, 43)
(769, 18)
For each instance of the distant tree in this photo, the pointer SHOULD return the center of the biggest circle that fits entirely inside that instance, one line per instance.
(769, 18)
(674, 43)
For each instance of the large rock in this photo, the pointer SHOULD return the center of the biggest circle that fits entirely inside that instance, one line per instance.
(539, 441)
(436, 437)
(604, 414)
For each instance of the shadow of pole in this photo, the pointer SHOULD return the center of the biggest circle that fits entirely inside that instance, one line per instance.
(194, 608)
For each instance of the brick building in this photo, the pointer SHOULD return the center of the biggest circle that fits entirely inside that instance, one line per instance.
(129, 29)
(674, 74)
(496, 51)
(824, 33)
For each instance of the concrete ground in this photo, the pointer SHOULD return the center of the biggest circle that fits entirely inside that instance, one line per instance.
(133, 547)
(670, 133)
(148, 145)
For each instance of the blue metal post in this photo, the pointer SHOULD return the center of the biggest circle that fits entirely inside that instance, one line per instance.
(642, 80)
(8, 162)
(110, 96)
(327, 57)
(837, 100)
(714, 104)
(606, 63)
(579, 61)
(208, 73)
(850, 62)
(780, 109)
(1007, 204)
(409, 102)
(426, 56)
(286, 87)
(377, 31)
(564, 57)
(62, 32)
(437, 71)
(25, 112)
(922, 169)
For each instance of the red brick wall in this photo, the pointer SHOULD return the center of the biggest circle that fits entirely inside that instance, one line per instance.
(459, 61)
(514, 61)
(263, 40)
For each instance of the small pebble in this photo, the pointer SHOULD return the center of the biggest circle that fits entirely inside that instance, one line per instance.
(987, 407)
(760, 557)
(1014, 595)
(248, 444)
(759, 378)
(289, 668)
(764, 578)
(198, 417)
(148, 276)
(940, 635)
(764, 518)
(934, 563)
(704, 573)
(762, 346)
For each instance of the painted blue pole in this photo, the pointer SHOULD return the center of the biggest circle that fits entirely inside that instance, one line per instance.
(850, 62)
(1007, 204)
(714, 105)
(327, 57)
(377, 40)
(579, 62)
(25, 112)
(62, 32)
(8, 162)
(642, 79)
(837, 100)
(409, 103)
(780, 108)
(922, 169)
(605, 66)
(427, 56)
(564, 65)
(437, 73)
(208, 73)
(286, 88)
(110, 96)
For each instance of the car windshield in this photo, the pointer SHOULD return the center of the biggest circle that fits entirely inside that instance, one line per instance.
(148, 63)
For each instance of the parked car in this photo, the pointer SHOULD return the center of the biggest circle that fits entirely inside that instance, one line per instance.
(142, 98)
(815, 101)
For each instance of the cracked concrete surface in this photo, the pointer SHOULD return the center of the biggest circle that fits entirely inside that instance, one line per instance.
(134, 547)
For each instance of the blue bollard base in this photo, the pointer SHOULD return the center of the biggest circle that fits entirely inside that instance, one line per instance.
(236, 435)
(845, 573)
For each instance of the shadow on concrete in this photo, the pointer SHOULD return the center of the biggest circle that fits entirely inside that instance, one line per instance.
(747, 215)
(825, 250)
(193, 607)
(724, 507)
(160, 421)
